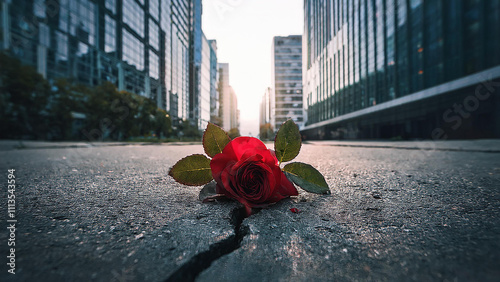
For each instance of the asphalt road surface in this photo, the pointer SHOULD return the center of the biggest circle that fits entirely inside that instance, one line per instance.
(397, 212)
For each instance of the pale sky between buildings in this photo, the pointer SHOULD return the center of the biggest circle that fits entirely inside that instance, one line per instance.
(244, 30)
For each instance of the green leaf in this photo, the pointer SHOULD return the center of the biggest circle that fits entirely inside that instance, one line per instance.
(214, 140)
(193, 170)
(287, 142)
(306, 177)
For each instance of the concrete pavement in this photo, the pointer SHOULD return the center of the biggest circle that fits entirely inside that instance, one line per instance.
(111, 213)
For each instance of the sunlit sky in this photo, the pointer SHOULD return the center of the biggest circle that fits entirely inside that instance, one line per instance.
(244, 30)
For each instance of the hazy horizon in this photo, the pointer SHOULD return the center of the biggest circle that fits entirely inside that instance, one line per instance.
(244, 31)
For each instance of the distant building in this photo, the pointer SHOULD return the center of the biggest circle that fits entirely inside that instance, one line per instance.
(265, 127)
(197, 39)
(234, 122)
(205, 85)
(141, 46)
(265, 107)
(401, 69)
(286, 101)
(228, 107)
(214, 78)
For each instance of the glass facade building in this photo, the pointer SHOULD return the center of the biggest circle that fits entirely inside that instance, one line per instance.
(265, 108)
(214, 78)
(286, 101)
(228, 103)
(394, 68)
(141, 46)
(205, 84)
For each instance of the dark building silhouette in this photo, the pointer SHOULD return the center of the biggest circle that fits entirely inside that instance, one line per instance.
(401, 69)
(141, 46)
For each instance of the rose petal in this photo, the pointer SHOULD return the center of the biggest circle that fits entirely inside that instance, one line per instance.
(219, 163)
(238, 146)
(285, 189)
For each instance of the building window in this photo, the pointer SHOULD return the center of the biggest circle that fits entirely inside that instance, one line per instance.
(63, 19)
(133, 16)
(39, 8)
(82, 25)
(154, 63)
(62, 47)
(154, 9)
(111, 5)
(44, 35)
(110, 35)
(83, 49)
(154, 35)
(133, 50)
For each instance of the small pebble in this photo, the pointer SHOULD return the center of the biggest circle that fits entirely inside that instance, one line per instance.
(377, 195)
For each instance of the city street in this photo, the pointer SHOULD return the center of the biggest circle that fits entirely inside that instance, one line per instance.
(398, 211)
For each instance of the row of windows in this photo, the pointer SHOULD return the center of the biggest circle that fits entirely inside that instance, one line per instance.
(78, 18)
(384, 49)
(289, 113)
(287, 64)
(70, 39)
(291, 91)
(288, 50)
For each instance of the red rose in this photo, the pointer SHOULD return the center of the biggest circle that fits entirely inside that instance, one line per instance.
(248, 172)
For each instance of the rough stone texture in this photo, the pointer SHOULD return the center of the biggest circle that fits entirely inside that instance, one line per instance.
(112, 214)
(107, 214)
(393, 215)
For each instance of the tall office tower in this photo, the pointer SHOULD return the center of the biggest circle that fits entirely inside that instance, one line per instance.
(177, 60)
(141, 46)
(214, 78)
(265, 127)
(265, 107)
(287, 80)
(200, 57)
(228, 107)
(205, 85)
(403, 69)
(195, 54)
(234, 112)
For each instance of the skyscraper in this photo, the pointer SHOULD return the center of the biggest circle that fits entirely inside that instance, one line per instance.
(265, 127)
(214, 78)
(396, 68)
(228, 107)
(141, 46)
(286, 101)
(205, 85)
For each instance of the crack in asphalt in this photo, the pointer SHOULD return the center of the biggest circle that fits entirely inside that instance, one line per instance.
(192, 268)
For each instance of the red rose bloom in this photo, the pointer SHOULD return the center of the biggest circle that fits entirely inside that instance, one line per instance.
(249, 172)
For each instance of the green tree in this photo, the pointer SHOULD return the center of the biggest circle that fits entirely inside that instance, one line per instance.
(190, 130)
(66, 100)
(163, 123)
(234, 132)
(266, 132)
(24, 99)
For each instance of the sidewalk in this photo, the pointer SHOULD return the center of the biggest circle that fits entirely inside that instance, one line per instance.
(482, 145)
